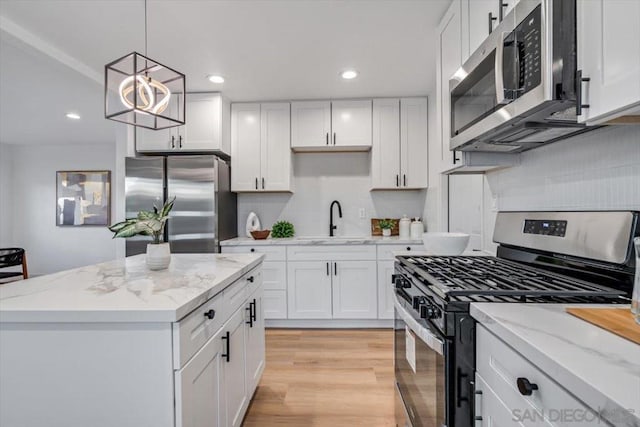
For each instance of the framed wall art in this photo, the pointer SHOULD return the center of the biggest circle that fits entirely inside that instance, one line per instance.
(83, 198)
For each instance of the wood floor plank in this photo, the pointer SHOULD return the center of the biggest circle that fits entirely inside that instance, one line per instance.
(325, 378)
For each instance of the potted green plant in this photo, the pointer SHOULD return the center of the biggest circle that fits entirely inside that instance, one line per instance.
(149, 223)
(282, 229)
(387, 225)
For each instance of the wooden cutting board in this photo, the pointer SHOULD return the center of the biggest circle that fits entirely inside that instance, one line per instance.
(615, 320)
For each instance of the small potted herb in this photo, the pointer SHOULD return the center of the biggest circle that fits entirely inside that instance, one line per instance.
(387, 225)
(149, 223)
(282, 229)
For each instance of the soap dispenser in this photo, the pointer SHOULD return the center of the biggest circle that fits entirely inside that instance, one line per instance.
(404, 227)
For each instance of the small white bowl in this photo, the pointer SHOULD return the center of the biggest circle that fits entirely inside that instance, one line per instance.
(445, 243)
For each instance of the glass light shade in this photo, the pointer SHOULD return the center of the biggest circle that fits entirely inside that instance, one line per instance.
(142, 92)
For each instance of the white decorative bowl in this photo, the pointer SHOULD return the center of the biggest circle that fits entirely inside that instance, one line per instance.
(445, 243)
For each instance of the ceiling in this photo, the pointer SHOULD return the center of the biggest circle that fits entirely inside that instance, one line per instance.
(52, 54)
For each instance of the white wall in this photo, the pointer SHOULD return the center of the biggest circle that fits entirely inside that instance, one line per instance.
(599, 170)
(51, 248)
(318, 180)
(6, 184)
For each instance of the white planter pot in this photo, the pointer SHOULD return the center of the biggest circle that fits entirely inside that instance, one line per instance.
(386, 232)
(158, 256)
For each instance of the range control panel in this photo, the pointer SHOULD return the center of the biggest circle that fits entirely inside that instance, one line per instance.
(544, 227)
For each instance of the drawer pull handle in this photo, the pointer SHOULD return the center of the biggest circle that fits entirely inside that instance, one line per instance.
(250, 310)
(250, 279)
(408, 248)
(210, 314)
(253, 250)
(227, 339)
(525, 387)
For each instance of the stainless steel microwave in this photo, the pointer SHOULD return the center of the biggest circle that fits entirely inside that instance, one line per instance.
(520, 89)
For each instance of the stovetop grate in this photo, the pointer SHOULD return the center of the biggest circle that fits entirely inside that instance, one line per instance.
(468, 278)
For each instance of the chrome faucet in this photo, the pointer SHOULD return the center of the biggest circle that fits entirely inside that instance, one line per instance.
(331, 226)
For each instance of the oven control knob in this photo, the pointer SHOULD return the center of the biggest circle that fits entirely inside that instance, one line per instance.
(418, 302)
(401, 282)
(429, 311)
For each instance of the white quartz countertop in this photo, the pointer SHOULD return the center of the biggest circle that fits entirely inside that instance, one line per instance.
(124, 290)
(338, 240)
(598, 367)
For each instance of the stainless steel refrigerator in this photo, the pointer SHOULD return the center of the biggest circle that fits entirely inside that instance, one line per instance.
(205, 210)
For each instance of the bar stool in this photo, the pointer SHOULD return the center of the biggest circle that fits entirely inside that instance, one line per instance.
(11, 257)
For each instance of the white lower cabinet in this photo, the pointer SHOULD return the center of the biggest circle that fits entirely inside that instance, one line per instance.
(511, 390)
(332, 290)
(234, 362)
(199, 394)
(354, 290)
(385, 290)
(254, 326)
(309, 290)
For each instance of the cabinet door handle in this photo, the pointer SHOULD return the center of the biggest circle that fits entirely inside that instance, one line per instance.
(253, 250)
(335, 268)
(256, 183)
(180, 141)
(250, 310)
(263, 183)
(501, 6)
(327, 138)
(250, 279)
(334, 138)
(328, 269)
(579, 81)
(227, 354)
(404, 179)
(491, 19)
(455, 159)
(210, 314)
(397, 180)
(173, 141)
(525, 387)
(255, 306)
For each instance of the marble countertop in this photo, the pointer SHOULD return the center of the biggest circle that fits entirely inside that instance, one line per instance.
(124, 290)
(319, 240)
(598, 367)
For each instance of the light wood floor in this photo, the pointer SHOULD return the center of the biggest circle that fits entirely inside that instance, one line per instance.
(332, 378)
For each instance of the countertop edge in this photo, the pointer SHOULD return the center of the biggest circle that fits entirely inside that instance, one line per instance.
(126, 316)
(337, 241)
(562, 374)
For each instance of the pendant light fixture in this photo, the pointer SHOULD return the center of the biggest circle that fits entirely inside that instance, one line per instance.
(142, 92)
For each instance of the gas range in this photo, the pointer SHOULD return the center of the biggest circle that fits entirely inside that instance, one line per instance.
(437, 285)
(542, 257)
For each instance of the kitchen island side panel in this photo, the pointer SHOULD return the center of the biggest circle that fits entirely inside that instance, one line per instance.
(86, 374)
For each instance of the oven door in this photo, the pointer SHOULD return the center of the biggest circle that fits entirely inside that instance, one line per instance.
(420, 371)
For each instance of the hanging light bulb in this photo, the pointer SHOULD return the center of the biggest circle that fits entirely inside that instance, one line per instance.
(147, 100)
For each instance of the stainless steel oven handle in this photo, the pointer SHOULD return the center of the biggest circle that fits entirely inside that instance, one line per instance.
(421, 332)
(499, 69)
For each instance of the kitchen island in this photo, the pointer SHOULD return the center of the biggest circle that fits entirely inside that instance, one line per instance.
(583, 374)
(115, 344)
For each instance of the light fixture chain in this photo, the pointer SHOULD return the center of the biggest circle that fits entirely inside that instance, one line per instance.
(145, 27)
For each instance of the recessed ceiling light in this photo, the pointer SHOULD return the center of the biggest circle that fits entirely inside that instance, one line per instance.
(73, 116)
(216, 79)
(349, 74)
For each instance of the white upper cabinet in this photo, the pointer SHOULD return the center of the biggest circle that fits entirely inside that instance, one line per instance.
(399, 152)
(609, 57)
(310, 124)
(413, 143)
(483, 18)
(245, 147)
(260, 147)
(351, 124)
(206, 128)
(275, 153)
(385, 152)
(448, 61)
(331, 125)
